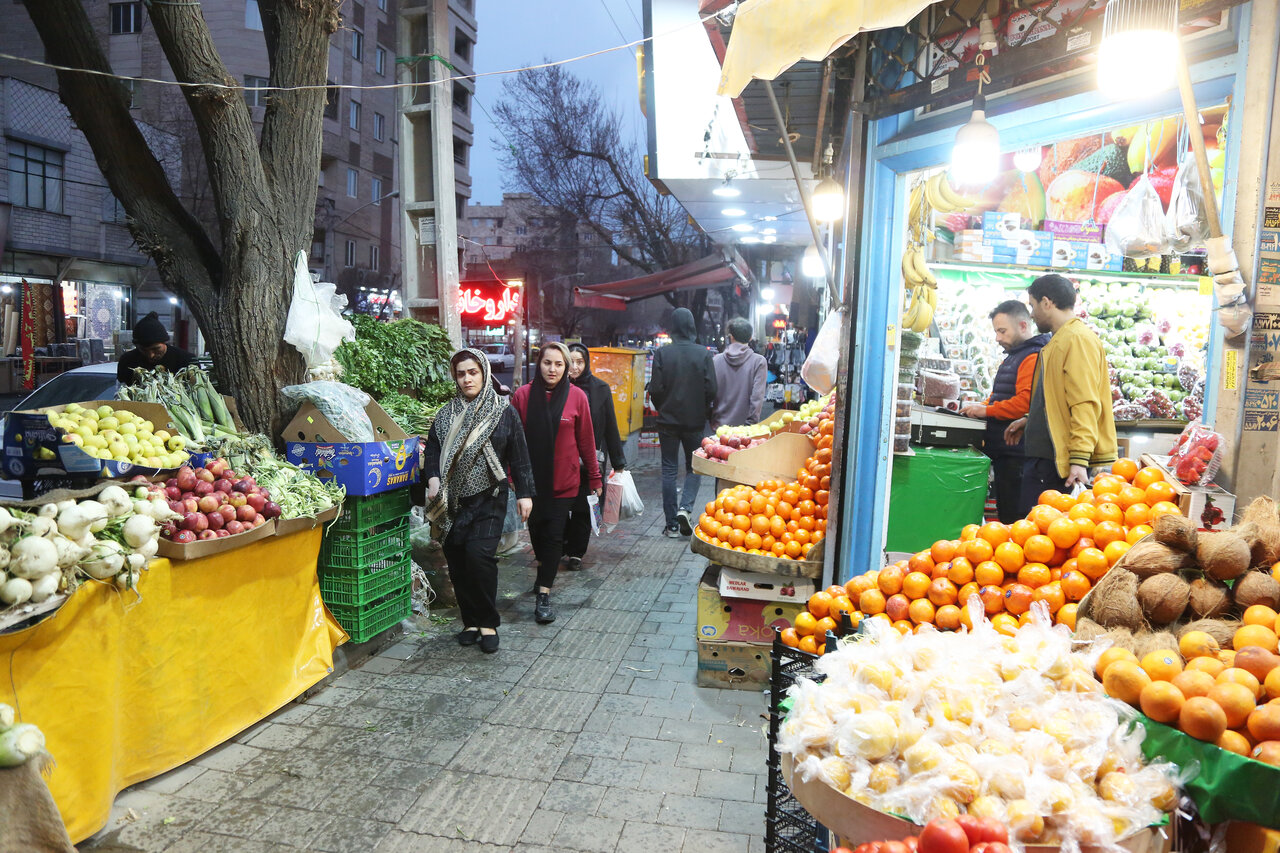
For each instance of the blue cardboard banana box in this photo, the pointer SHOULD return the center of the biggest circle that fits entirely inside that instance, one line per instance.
(361, 467)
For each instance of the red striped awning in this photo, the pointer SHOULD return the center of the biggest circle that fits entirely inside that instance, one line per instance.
(720, 268)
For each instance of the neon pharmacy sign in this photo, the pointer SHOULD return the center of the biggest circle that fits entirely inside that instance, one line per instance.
(473, 302)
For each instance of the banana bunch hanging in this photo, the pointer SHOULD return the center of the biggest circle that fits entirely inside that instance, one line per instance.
(932, 194)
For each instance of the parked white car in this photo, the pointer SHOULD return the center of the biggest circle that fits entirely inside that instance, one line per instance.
(500, 356)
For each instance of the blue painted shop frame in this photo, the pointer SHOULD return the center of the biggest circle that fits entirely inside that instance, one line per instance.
(901, 145)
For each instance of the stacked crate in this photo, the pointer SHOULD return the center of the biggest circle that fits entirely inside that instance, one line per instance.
(365, 567)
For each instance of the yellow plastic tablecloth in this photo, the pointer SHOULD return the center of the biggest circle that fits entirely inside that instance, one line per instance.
(125, 691)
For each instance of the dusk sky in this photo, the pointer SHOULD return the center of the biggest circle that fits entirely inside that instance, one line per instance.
(512, 35)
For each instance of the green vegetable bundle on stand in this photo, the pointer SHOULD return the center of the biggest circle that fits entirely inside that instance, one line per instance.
(403, 365)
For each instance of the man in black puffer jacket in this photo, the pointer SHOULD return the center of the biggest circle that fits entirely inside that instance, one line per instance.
(1010, 399)
(683, 390)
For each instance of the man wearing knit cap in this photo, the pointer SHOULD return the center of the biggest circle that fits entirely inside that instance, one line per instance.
(152, 350)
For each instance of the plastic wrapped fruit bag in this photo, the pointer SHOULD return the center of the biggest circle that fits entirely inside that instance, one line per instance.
(342, 405)
(1137, 229)
(1197, 456)
(1186, 222)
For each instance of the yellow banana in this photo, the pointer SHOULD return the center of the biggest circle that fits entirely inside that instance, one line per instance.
(912, 315)
(932, 294)
(925, 319)
(931, 193)
(910, 274)
(922, 272)
(953, 199)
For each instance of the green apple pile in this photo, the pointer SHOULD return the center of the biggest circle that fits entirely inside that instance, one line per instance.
(118, 435)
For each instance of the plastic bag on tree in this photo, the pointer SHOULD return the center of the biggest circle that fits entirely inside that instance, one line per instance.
(1186, 222)
(1136, 229)
(342, 405)
(315, 325)
(819, 369)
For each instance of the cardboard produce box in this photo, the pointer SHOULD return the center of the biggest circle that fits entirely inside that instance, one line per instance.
(287, 526)
(780, 457)
(362, 468)
(745, 607)
(209, 547)
(741, 666)
(1211, 507)
(26, 433)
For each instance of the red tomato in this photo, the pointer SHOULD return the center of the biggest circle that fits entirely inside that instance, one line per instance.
(943, 836)
(998, 847)
(841, 850)
(913, 843)
(869, 847)
(973, 828)
(980, 847)
(994, 830)
(894, 847)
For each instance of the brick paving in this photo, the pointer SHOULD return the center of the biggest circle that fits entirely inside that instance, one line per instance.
(587, 734)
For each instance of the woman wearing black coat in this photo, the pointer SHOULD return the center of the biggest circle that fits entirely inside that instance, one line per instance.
(600, 396)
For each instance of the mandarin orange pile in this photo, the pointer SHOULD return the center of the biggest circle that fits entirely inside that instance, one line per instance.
(1055, 555)
(1228, 697)
(775, 519)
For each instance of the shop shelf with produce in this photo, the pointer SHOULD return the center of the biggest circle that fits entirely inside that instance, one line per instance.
(759, 563)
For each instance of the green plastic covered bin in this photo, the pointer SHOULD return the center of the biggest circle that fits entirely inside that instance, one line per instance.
(933, 494)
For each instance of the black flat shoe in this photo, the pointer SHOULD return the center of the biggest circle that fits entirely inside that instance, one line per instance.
(573, 564)
(542, 612)
(488, 643)
(468, 636)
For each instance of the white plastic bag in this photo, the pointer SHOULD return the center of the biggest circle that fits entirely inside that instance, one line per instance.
(1186, 222)
(342, 405)
(1136, 229)
(315, 325)
(593, 508)
(819, 369)
(629, 505)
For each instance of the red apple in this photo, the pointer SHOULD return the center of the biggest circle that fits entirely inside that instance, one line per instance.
(271, 510)
(184, 537)
(223, 485)
(186, 479)
(203, 488)
(218, 467)
(177, 506)
(245, 513)
(237, 499)
(208, 534)
(244, 484)
(228, 512)
(256, 500)
(205, 475)
(222, 534)
(208, 504)
(191, 504)
(172, 482)
(234, 527)
(173, 493)
(216, 521)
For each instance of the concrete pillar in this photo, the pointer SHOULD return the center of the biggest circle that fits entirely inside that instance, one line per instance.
(1248, 409)
(426, 157)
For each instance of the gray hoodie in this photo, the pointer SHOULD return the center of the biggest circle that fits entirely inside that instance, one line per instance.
(740, 377)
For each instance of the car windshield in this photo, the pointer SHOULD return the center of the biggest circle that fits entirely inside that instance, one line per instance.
(72, 387)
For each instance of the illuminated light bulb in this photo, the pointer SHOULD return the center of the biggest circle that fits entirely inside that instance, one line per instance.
(1138, 54)
(1027, 160)
(811, 264)
(828, 201)
(975, 159)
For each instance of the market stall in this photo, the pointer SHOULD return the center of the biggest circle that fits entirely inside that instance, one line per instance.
(129, 684)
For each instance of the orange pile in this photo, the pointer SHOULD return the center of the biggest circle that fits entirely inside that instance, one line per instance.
(783, 520)
(1230, 698)
(1055, 555)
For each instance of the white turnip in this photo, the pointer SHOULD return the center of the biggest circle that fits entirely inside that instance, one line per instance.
(33, 557)
(15, 591)
(45, 587)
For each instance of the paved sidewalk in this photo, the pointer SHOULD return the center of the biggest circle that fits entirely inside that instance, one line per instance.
(584, 735)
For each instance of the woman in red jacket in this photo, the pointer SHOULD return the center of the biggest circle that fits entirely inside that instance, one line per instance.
(562, 444)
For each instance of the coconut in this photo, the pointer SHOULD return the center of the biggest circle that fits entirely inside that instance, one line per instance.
(1113, 602)
(1263, 513)
(1176, 531)
(1122, 637)
(1209, 598)
(1086, 630)
(1148, 558)
(1256, 588)
(1221, 630)
(1223, 555)
(1145, 642)
(1163, 598)
(1259, 548)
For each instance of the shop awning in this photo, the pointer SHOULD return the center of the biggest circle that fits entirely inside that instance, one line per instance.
(769, 36)
(721, 268)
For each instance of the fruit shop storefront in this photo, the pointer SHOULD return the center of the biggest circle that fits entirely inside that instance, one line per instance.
(1157, 315)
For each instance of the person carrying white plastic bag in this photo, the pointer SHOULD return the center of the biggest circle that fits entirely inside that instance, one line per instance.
(622, 500)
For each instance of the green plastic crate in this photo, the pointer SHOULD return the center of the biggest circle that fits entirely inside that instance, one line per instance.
(361, 513)
(363, 623)
(358, 587)
(377, 547)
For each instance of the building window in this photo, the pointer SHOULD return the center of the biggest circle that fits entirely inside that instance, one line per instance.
(379, 126)
(460, 151)
(382, 4)
(35, 177)
(462, 46)
(353, 115)
(254, 95)
(462, 100)
(317, 246)
(349, 257)
(252, 16)
(357, 45)
(520, 229)
(331, 100)
(587, 238)
(380, 60)
(126, 18)
(112, 209)
(374, 258)
(377, 190)
(353, 183)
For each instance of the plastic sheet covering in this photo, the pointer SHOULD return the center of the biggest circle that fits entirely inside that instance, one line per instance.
(125, 691)
(935, 493)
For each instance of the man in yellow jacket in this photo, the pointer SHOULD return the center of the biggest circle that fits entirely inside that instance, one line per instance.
(1069, 427)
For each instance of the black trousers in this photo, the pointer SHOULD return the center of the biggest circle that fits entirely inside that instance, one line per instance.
(577, 530)
(473, 568)
(546, 534)
(1007, 476)
(1038, 475)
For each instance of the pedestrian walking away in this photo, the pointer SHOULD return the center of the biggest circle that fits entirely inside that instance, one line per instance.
(561, 439)
(1010, 399)
(605, 425)
(683, 389)
(1069, 426)
(740, 379)
(476, 445)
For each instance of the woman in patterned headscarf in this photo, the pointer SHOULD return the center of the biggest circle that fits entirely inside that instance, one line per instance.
(475, 445)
